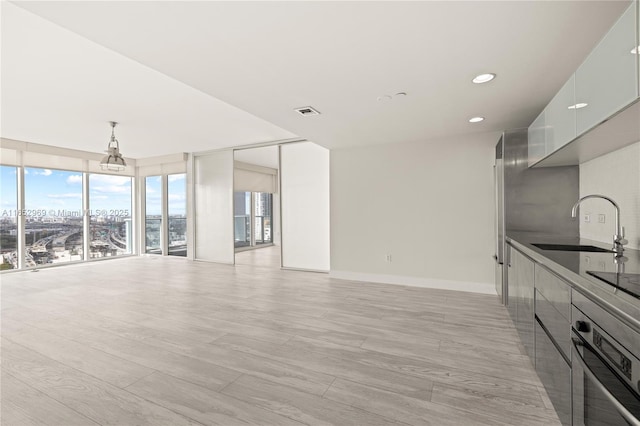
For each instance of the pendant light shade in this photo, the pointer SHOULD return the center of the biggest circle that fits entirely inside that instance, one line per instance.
(113, 160)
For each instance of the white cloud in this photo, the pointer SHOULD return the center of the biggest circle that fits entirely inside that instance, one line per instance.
(41, 172)
(74, 179)
(110, 179)
(111, 189)
(174, 178)
(67, 195)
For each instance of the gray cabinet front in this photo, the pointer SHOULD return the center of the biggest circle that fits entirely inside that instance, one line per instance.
(554, 373)
(521, 287)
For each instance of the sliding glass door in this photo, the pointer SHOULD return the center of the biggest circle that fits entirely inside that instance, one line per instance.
(177, 213)
(252, 219)
(242, 219)
(262, 218)
(153, 215)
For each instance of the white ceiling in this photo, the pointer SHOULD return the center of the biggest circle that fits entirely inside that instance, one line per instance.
(266, 156)
(192, 76)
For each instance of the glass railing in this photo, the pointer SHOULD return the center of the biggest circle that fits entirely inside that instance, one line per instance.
(177, 236)
(263, 230)
(242, 230)
(152, 227)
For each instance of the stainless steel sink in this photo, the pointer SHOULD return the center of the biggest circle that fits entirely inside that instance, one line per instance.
(571, 247)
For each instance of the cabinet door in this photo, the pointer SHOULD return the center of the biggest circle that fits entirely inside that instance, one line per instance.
(536, 141)
(554, 373)
(560, 119)
(607, 80)
(521, 294)
(512, 286)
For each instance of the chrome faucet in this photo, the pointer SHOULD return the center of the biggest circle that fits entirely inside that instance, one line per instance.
(618, 238)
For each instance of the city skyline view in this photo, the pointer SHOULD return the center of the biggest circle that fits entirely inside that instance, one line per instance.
(54, 215)
(51, 192)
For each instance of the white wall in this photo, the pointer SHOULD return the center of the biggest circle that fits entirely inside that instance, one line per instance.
(428, 205)
(616, 175)
(304, 192)
(213, 205)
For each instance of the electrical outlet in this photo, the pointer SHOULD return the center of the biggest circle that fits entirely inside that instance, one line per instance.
(601, 218)
(387, 258)
(587, 218)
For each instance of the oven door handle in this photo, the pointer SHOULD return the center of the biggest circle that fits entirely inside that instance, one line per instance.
(633, 420)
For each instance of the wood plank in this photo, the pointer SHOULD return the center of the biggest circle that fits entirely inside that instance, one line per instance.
(93, 398)
(96, 363)
(202, 404)
(413, 411)
(300, 406)
(290, 346)
(23, 405)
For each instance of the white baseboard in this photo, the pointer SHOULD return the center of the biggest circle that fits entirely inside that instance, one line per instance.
(472, 287)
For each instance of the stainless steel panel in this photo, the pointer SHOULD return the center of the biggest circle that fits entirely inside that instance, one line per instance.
(558, 327)
(537, 199)
(499, 199)
(556, 291)
(521, 297)
(600, 396)
(511, 289)
(622, 333)
(554, 373)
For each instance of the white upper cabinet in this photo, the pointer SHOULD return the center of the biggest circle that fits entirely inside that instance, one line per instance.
(537, 140)
(637, 49)
(560, 118)
(607, 81)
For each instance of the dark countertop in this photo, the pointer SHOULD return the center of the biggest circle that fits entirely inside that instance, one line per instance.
(573, 267)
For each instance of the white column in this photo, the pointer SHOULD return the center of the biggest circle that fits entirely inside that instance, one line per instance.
(86, 219)
(304, 201)
(213, 205)
(20, 237)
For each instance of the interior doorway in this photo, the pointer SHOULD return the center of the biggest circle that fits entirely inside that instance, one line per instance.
(256, 207)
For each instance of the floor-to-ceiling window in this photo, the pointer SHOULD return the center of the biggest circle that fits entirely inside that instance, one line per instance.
(262, 218)
(110, 224)
(177, 213)
(53, 216)
(252, 219)
(153, 214)
(242, 219)
(9, 217)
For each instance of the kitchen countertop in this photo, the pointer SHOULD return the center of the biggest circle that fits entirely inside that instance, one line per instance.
(573, 267)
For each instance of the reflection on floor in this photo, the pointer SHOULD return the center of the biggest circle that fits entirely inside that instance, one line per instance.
(166, 341)
(264, 256)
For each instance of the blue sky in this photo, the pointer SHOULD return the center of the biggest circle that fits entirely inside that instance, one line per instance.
(48, 189)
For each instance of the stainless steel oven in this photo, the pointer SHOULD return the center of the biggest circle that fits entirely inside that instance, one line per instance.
(605, 373)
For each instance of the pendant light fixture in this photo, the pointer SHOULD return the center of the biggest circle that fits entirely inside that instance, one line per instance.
(113, 160)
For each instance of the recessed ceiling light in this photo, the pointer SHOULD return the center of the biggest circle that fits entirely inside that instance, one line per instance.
(635, 50)
(476, 119)
(483, 78)
(577, 106)
(384, 98)
(401, 94)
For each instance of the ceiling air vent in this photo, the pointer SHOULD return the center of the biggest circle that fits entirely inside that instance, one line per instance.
(307, 111)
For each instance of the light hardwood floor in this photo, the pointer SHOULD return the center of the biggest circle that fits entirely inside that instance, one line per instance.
(173, 342)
